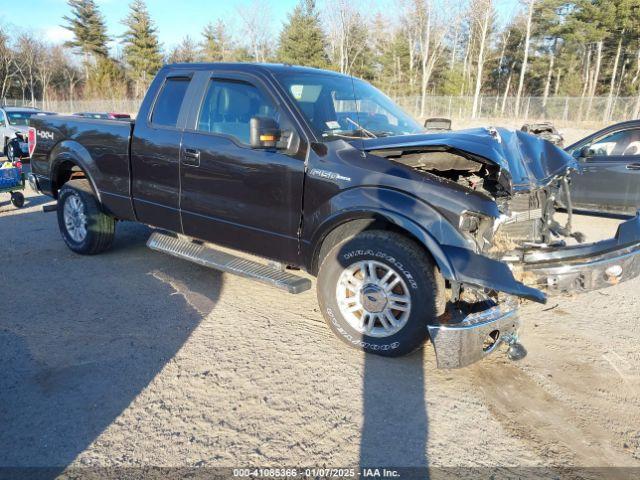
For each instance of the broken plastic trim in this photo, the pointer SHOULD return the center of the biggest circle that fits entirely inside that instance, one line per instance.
(481, 271)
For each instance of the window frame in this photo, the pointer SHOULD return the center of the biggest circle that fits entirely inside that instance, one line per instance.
(184, 108)
(218, 78)
(607, 158)
(203, 79)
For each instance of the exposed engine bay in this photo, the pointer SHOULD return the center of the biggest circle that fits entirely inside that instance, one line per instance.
(527, 217)
(526, 222)
(507, 187)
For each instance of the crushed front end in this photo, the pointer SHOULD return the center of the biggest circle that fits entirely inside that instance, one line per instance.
(522, 251)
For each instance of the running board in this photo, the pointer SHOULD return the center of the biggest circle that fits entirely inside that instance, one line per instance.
(218, 260)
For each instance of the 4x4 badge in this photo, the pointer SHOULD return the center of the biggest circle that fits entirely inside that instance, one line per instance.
(44, 134)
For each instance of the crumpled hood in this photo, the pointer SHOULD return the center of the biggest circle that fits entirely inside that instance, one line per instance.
(527, 161)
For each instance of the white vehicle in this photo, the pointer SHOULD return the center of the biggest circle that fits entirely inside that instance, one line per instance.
(14, 129)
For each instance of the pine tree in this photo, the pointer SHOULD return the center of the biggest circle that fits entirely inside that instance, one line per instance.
(216, 44)
(141, 46)
(302, 40)
(88, 28)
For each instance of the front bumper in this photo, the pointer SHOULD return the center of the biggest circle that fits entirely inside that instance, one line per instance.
(586, 267)
(475, 336)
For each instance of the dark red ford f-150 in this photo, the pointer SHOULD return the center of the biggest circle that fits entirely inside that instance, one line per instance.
(410, 235)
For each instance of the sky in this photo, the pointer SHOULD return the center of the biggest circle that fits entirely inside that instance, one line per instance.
(175, 19)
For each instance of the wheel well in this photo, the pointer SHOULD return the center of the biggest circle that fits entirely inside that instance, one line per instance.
(65, 171)
(352, 228)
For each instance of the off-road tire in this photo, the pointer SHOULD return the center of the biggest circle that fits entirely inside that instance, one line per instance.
(100, 226)
(411, 262)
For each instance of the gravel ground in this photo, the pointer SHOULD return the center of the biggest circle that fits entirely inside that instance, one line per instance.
(133, 358)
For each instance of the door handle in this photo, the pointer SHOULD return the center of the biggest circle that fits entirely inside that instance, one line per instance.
(633, 166)
(191, 157)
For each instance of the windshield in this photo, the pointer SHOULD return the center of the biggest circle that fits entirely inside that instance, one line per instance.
(19, 118)
(345, 107)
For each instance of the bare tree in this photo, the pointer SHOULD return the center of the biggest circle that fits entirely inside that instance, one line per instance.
(547, 85)
(614, 72)
(29, 52)
(408, 23)
(50, 58)
(595, 76)
(7, 64)
(72, 76)
(483, 12)
(504, 40)
(430, 37)
(256, 26)
(525, 58)
(342, 19)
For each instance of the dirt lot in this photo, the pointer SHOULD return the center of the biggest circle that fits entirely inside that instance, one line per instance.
(133, 358)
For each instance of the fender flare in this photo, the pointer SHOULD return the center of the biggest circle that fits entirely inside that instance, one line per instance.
(456, 263)
(404, 223)
(74, 152)
(428, 226)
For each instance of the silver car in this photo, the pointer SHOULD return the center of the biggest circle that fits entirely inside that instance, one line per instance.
(14, 129)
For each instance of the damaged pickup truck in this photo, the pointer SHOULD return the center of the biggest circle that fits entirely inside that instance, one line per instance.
(412, 236)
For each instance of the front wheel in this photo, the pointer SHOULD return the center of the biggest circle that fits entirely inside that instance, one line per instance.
(85, 228)
(378, 291)
(13, 151)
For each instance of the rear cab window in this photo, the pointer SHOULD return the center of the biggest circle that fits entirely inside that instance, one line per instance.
(169, 102)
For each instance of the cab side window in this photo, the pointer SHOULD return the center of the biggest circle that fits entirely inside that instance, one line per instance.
(622, 143)
(2, 119)
(169, 102)
(229, 106)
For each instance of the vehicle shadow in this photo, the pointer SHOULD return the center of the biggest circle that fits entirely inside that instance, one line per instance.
(83, 336)
(395, 428)
(29, 201)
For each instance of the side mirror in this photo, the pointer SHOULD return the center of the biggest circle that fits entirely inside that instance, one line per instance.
(264, 132)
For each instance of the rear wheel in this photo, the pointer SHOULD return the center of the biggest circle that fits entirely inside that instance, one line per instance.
(378, 291)
(85, 228)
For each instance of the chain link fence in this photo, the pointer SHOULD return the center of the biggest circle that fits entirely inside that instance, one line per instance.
(558, 109)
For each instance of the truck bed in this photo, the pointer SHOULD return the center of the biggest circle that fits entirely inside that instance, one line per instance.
(102, 145)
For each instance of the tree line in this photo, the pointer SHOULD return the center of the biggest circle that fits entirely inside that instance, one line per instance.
(581, 48)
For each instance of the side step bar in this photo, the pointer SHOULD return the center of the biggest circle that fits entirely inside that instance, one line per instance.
(216, 259)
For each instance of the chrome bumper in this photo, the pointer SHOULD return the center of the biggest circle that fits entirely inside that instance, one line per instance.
(591, 274)
(587, 267)
(476, 336)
